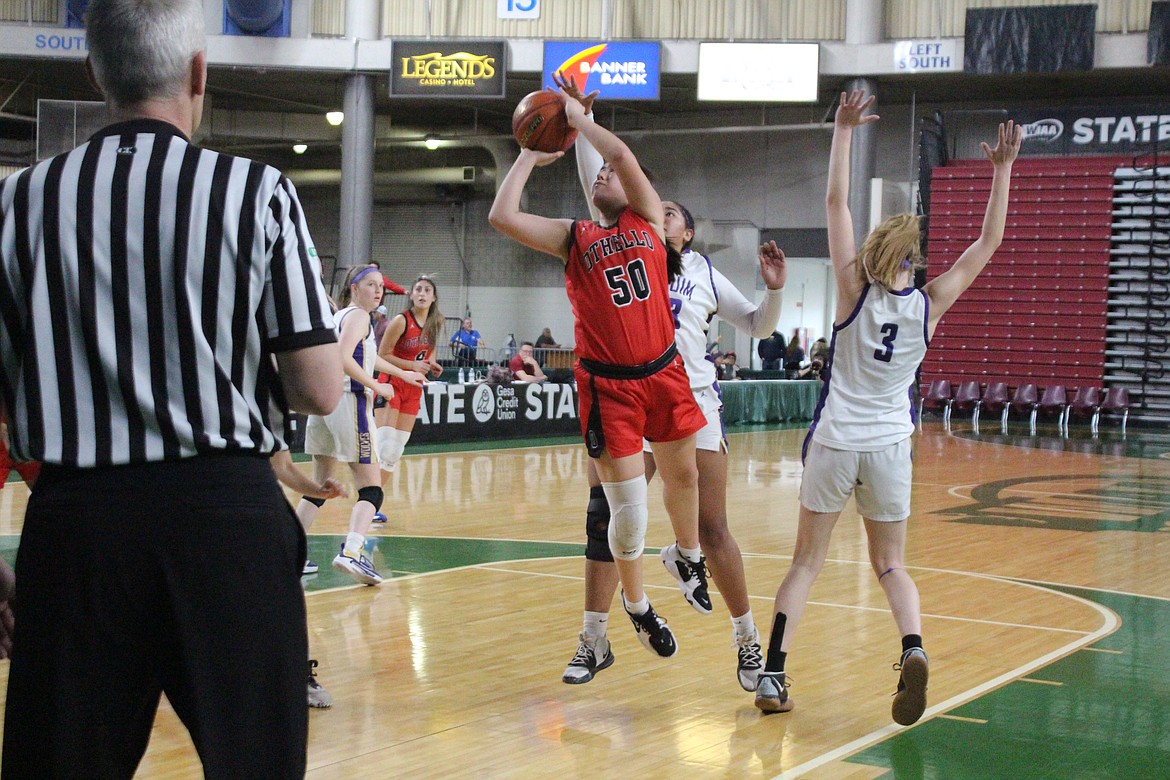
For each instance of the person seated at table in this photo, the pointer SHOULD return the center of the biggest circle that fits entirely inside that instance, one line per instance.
(725, 368)
(814, 370)
(546, 341)
(793, 357)
(524, 367)
(464, 343)
(819, 349)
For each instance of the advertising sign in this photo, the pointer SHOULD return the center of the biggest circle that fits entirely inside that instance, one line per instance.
(447, 69)
(759, 72)
(621, 70)
(926, 56)
(1087, 130)
(451, 412)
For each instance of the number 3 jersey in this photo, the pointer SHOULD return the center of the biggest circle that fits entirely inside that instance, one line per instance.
(866, 400)
(617, 284)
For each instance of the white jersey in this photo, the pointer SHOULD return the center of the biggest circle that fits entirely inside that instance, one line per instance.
(700, 293)
(366, 350)
(865, 403)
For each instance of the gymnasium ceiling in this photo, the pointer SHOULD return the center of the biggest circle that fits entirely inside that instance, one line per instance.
(23, 82)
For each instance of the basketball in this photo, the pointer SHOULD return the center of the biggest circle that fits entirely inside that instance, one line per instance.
(539, 122)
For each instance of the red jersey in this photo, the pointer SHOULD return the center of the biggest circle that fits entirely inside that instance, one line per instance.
(413, 343)
(617, 283)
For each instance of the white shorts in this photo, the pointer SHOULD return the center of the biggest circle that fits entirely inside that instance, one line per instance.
(345, 434)
(711, 436)
(879, 481)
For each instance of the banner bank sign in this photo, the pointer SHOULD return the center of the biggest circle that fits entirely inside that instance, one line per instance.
(621, 70)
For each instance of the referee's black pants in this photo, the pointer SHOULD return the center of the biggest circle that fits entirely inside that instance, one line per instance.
(180, 578)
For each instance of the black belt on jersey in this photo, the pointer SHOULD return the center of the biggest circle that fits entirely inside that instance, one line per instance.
(594, 436)
(641, 371)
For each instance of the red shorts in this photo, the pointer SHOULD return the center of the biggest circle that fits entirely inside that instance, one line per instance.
(28, 471)
(406, 397)
(660, 407)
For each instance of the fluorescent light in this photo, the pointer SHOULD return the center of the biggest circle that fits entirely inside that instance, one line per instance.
(431, 142)
(300, 148)
(334, 117)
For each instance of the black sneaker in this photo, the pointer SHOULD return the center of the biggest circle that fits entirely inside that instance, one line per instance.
(585, 664)
(652, 631)
(690, 576)
(910, 698)
(751, 660)
(772, 692)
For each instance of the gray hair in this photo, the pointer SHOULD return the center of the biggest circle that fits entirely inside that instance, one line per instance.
(142, 49)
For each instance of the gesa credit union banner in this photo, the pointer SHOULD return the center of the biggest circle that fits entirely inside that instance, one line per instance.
(621, 70)
(447, 69)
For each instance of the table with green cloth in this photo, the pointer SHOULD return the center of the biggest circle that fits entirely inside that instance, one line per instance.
(766, 401)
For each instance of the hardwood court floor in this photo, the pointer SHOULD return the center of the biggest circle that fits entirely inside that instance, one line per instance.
(1042, 564)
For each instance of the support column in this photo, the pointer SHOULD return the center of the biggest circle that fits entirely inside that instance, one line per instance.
(357, 172)
(355, 244)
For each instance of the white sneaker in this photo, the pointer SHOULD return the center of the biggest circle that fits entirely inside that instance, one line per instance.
(585, 663)
(309, 568)
(772, 692)
(751, 659)
(360, 568)
(318, 696)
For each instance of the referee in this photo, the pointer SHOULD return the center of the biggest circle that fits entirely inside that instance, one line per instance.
(145, 286)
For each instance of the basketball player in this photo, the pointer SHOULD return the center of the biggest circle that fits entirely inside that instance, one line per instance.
(347, 433)
(632, 382)
(859, 441)
(698, 294)
(408, 343)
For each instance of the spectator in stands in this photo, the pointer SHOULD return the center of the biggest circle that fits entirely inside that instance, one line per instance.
(819, 348)
(793, 356)
(464, 343)
(725, 368)
(813, 370)
(546, 341)
(524, 367)
(771, 351)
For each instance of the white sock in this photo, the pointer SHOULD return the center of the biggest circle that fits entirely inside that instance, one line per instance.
(354, 542)
(637, 608)
(694, 556)
(744, 625)
(594, 624)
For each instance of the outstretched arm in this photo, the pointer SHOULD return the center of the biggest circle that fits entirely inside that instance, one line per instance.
(550, 236)
(640, 193)
(744, 315)
(946, 288)
(842, 247)
(589, 162)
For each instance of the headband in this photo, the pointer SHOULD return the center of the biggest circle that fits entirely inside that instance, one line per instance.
(369, 269)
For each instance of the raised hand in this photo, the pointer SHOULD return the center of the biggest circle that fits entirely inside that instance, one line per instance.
(773, 266)
(568, 85)
(1007, 146)
(851, 108)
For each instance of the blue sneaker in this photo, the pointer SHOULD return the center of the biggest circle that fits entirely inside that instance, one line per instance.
(360, 568)
(379, 518)
(309, 568)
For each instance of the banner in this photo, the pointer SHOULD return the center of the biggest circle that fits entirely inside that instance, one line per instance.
(621, 70)
(1088, 130)
(759, 72)
(453, 412)
(1031, 39)
(447, 69)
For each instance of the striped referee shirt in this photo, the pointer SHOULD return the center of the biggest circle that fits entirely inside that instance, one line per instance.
(144, 285)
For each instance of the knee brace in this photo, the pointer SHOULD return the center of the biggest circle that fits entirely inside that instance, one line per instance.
(389, 444)
(628, 516)
(372, 495)
(597, 527)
